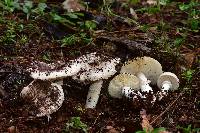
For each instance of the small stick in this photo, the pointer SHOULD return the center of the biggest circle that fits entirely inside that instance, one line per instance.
(166, 108)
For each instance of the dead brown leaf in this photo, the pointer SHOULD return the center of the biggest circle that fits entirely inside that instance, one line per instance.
(145, 122)
(72, 5)
(111, 129)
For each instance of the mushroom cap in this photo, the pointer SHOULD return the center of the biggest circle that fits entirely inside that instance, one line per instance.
(122, 80)
(46, 97)
(168, 76)
(59, 70)
(99, 70)
(150, 67)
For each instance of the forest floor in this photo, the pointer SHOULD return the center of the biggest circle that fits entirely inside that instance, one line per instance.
(167, 31)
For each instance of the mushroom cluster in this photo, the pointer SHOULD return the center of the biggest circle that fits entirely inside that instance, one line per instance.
(90, 67)
(137, 75)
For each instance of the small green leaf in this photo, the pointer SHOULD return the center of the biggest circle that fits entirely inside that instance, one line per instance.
(72, 15)
(184, 7)
(90, 25)
(157, 130)
(42, 6)
(178, 41)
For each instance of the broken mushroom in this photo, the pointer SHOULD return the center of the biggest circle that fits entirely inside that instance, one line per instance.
(46, 97)
(123, 85)
(147, 70)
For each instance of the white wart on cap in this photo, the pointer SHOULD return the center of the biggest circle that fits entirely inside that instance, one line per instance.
(168, 81)
(120, 82)
(46, 97)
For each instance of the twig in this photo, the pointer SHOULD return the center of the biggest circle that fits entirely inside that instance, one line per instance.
(166, 108)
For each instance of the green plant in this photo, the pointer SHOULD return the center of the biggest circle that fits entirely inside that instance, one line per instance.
(156, 130)
(90, 25)
(188, 75)
(149, 10)
(10, 5)
(9, 36)
(76, 38)
(134, 1)
(75, 123)
(27, 8)
(189, 129)
(23, 39)
(40, 9)
(178, 41)
(193, 12)
(69, 40)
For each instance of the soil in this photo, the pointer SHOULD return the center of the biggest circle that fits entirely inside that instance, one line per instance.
(178, 108)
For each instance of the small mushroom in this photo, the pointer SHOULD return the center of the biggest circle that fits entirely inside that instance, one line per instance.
(96, 72)
(46, 97)
(147, 70)
(123, 85)
(167, 81)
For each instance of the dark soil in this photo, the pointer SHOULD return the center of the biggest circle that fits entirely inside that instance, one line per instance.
(122, 40)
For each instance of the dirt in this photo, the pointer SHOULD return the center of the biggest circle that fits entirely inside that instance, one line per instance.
(122, 40)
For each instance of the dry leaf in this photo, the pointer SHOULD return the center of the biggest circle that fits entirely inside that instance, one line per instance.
(72, 5)
(145, 122)
(152, 2)
(111, 129)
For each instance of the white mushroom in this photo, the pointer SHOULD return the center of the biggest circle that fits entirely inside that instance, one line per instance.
(71, 68)
(96, 72)
(147, 70)
(167, 81)
(123, 85)
(45, 96)
(89, 67)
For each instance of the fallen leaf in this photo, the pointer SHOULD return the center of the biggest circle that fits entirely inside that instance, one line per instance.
(111, 129)
(145, 122)
(152, 2)
(72, 5)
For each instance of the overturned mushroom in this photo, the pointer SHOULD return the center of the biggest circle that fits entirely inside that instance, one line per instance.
(46, 97)
(123, 85)
(147, 70)
(50, 72)
(96, 73)
(90, 67)
(167, 81)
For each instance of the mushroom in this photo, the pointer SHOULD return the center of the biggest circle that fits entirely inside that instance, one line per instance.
(45, 96)
(167, 81)
(96, 73)
(50, 72)
(123, 85)
(90, 67)
(147, 70)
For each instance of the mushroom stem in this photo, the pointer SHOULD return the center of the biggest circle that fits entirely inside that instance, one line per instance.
(93, 94)
(144, 83)
(166, 85)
